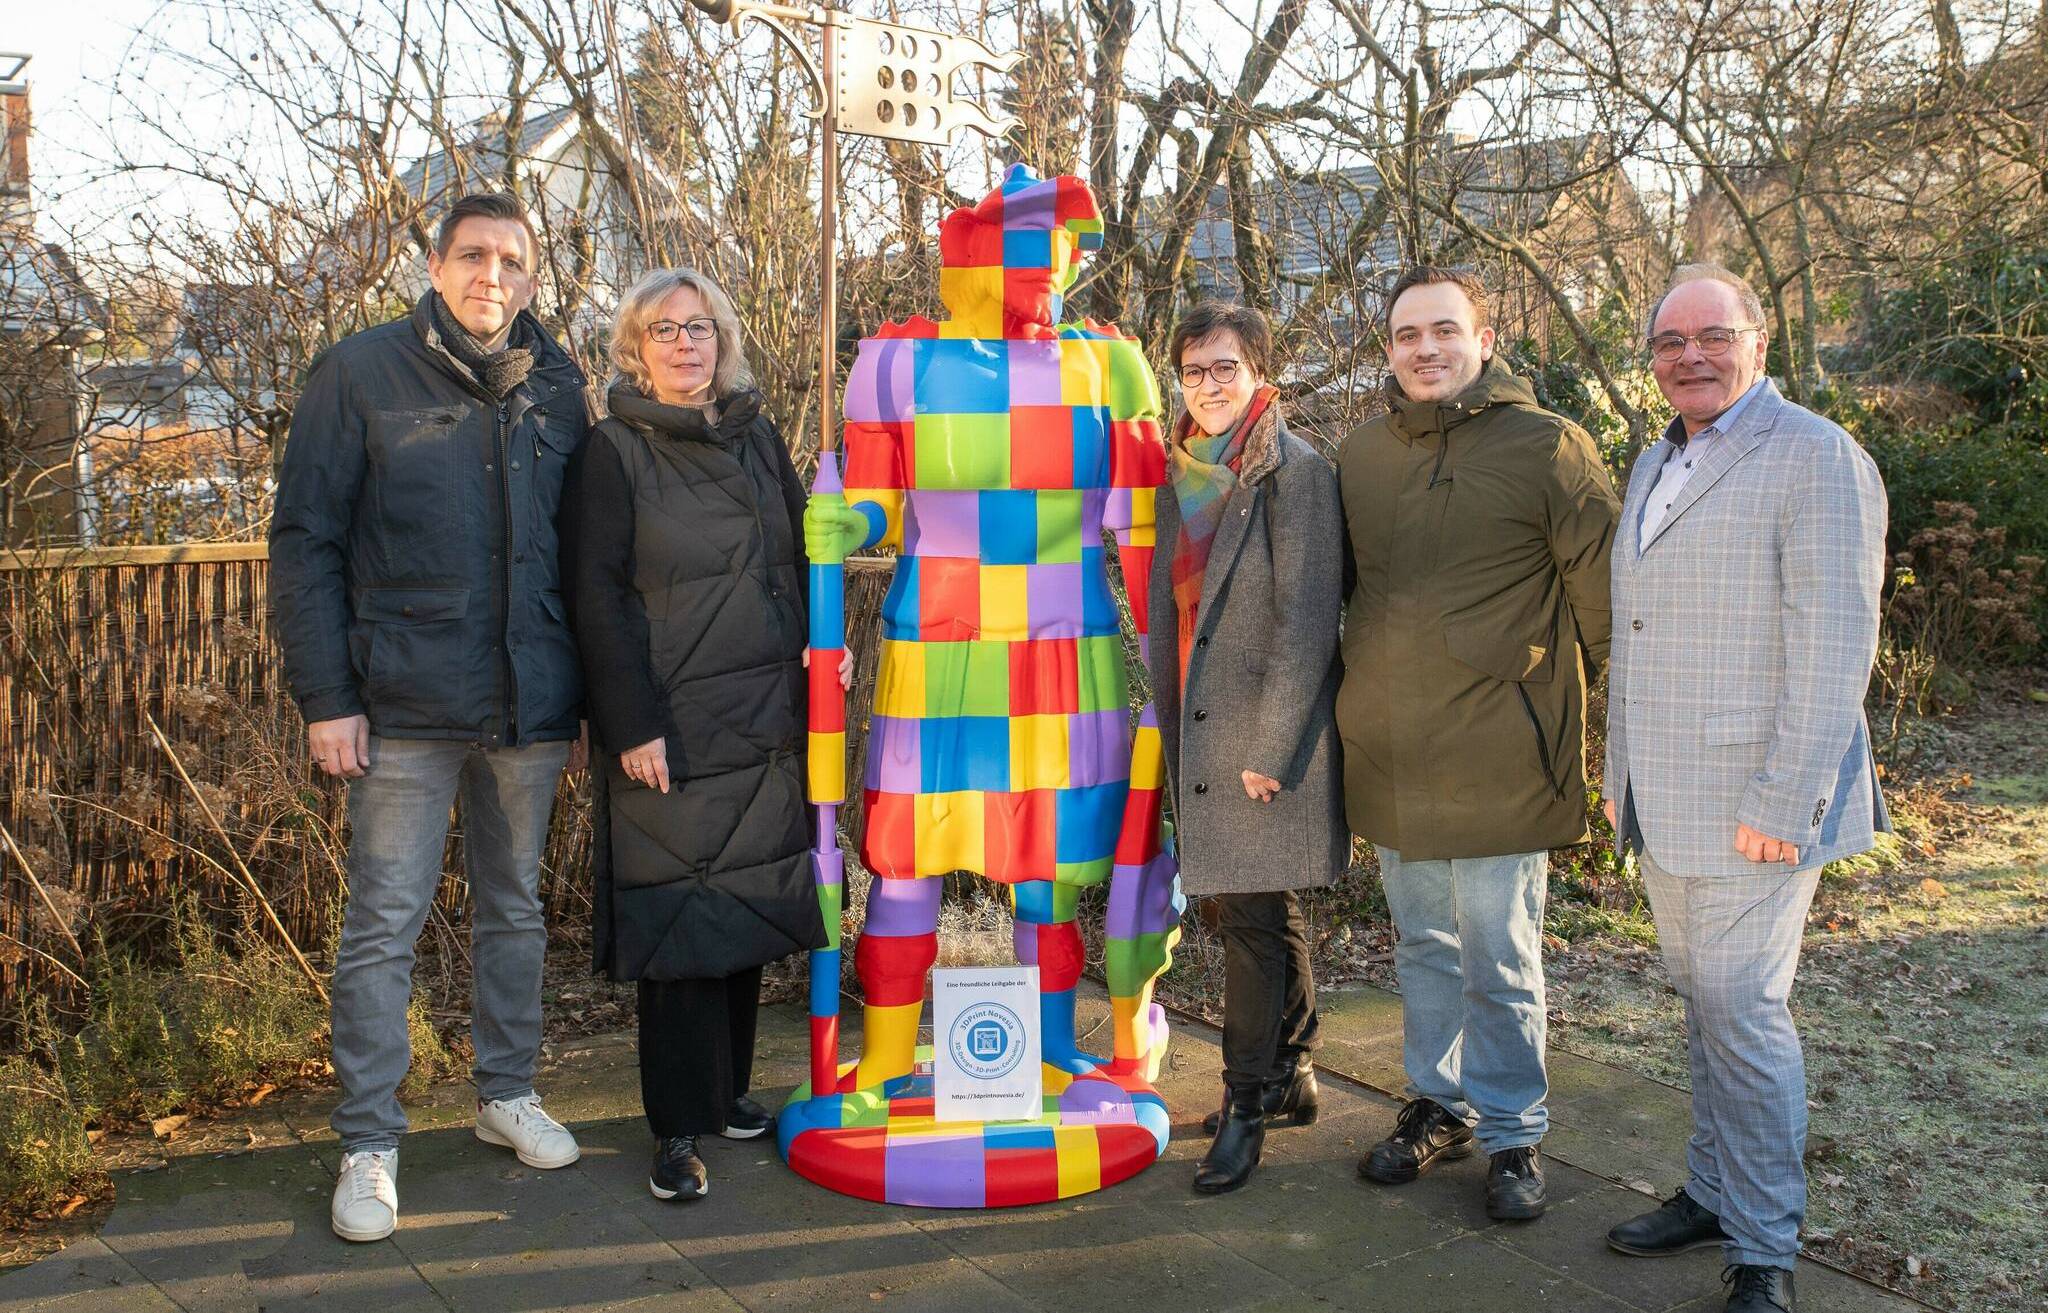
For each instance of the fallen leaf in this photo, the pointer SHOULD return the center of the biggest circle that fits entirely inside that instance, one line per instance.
(261, 1092)
(2037, 695)
(1933, 888)
(71, 1205)
(164, 1127)
(1914, 1265)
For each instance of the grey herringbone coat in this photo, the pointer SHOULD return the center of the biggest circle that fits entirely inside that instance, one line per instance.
(1262, 677)
(1743, 640)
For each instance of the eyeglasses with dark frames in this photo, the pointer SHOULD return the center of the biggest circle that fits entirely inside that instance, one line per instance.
(666, 330)
(1668, 347)
(1223, 371)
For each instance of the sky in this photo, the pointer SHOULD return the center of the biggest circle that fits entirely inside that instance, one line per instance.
(74, 42)
(87, 58)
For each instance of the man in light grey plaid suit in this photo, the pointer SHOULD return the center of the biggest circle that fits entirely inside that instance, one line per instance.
(1746, 572)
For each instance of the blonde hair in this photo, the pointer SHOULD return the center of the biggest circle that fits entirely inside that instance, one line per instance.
(638, 308)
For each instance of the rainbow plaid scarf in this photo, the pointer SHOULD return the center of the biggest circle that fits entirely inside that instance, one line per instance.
(1204, 470)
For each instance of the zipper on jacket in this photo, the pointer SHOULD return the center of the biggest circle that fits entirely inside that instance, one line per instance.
(504, 444)
(1542, 740)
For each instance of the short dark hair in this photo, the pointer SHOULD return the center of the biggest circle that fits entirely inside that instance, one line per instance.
(483, 205)
(1209, 318)
(1421, 275)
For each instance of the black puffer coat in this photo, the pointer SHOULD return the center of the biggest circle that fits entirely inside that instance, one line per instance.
(688, 588)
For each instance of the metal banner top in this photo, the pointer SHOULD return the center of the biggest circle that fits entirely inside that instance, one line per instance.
(895, 81)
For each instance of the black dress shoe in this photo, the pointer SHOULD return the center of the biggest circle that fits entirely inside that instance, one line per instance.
(747, 1120)
(1290, 1101)
(1673, 1227)
(678, 1173)
(1514, 1185)
(1425, 1133)
(1240, 1140)
(1756, 1289)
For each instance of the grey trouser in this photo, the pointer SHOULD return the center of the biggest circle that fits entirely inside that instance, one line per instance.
(1731, 944)
(398, 820)
(1470, 961)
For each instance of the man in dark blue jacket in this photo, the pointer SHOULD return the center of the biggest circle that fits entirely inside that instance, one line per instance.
(415, 575)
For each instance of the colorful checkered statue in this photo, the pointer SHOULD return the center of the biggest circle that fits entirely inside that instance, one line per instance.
(991, 450)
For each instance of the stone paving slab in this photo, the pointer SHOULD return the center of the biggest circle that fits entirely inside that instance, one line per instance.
(478, 1231)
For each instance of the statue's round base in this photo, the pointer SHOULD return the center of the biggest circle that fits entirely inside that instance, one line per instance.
(1098, 1127)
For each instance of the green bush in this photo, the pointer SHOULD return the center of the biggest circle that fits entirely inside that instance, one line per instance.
(2001, 470)
(1976, 325)
(44, 1153)
(158, 1037)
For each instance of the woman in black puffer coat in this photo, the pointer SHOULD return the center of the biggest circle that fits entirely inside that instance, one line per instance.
(688, 574)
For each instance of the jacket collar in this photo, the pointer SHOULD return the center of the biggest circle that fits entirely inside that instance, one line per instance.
(526, 329)
(1756, 420)
(1496, 386)
(1261, 448)
(635, 407)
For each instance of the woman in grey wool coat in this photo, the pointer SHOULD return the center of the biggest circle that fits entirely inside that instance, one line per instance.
(1247, 588)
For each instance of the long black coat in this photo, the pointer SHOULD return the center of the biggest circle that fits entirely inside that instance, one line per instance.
(689, 573)
(413, 551)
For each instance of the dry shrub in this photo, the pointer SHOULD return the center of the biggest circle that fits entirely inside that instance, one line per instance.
(1959, 600)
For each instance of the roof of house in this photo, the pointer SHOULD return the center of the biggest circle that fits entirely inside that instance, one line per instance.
(41, 288)
(488, 147)
(1307, 219)
(480, 162)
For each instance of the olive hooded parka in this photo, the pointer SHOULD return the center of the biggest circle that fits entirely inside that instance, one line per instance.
(1476, 617)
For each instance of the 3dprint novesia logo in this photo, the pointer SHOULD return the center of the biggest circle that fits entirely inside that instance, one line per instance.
(986, 1041)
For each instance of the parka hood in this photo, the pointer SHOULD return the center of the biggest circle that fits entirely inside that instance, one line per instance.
(1496, 385)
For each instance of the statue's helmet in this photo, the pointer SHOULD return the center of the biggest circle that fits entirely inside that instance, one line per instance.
(1021, 246)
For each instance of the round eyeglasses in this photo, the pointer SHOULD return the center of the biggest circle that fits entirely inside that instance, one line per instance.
(1223, 371)
(1668, 347)
(700, 330)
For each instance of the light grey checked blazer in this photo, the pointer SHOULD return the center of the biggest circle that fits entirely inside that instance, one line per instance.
(1744, 633)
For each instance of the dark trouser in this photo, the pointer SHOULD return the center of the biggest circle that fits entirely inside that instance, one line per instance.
(696, 1050)
(1269, 994)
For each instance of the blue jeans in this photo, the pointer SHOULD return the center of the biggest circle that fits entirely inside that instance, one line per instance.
(398, 821)
(1470, 962)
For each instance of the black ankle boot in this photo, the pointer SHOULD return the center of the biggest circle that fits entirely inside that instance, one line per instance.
(1240, 1138)
(1300, 1099)
(1293, 1100)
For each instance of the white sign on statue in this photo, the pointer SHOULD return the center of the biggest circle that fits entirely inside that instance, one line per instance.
(985, 1044)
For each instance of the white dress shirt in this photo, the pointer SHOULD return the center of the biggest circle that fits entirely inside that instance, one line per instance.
(1678, 463)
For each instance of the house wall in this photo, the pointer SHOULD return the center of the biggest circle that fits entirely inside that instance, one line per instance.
(39, 390)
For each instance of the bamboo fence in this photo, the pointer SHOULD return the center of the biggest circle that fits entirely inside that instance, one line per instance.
(97, 643)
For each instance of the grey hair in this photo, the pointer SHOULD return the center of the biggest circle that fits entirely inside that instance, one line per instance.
(637, 310)
(1706, 271)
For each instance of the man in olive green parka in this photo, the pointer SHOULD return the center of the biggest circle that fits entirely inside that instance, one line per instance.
(1478, 528)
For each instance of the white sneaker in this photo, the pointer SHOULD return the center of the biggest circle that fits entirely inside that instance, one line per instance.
(522, 1126)
(366, 1197)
